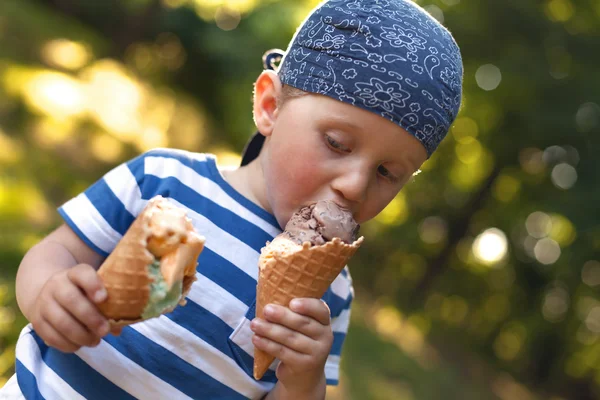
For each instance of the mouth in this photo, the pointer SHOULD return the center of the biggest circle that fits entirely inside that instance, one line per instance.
(340, 204)
(343, 205)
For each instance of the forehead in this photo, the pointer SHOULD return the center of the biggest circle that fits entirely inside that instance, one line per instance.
(363, 125)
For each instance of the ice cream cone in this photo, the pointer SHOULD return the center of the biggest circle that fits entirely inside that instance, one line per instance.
(288, 270)
(160, 231)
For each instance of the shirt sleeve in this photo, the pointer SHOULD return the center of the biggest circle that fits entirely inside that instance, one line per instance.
(339, 298)
(104, 211)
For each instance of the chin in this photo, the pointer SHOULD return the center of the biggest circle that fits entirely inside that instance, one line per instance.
(281, 217)
(283, 212)
(283, 220)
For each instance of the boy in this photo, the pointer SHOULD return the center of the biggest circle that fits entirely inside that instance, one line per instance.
(365, 93)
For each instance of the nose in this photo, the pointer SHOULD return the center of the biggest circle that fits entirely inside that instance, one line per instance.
(351, 186)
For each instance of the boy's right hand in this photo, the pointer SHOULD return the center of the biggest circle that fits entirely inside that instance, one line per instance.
(65, 315)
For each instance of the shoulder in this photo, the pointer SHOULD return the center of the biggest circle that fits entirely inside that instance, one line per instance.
(169, 162)
(183, 156)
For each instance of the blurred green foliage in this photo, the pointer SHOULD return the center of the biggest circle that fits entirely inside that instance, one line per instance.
(479, 281)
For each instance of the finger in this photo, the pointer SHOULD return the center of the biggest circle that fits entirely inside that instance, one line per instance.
(314, 308)
(284, 336)
(54, 338)
(64, 323)
(71, 299)
(83, 310)
(116, 330)
(86, 278)
(281, 352)
(300, 323)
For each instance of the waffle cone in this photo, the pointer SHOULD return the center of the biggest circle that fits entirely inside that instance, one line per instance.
(288, 270)
(160, 231)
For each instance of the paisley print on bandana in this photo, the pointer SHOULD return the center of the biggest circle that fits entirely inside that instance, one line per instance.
(386, 56)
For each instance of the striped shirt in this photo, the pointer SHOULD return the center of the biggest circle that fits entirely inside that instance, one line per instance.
(202, 350)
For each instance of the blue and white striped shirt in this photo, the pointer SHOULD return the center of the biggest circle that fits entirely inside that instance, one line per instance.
(202, 350)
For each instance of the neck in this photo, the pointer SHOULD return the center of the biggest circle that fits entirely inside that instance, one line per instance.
(249, 181)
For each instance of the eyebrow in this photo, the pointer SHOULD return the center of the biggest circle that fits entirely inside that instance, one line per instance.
(343, 122)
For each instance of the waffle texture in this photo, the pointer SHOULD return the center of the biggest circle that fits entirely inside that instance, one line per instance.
(288, 271)
(170, 235)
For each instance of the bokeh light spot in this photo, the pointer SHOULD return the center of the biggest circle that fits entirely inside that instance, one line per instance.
(590, 273)
(491, 246)
(546, 251)
(488, 77)
(433, 230)
(531, 160)
(559, 10)
(564, 176)
(64, 53)
(506, 188)
(538, 224)
(556, 304)
(587, 117)
(464, 128)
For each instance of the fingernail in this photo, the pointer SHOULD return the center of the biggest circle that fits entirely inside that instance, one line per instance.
(104, 328)
(100, 296)
(295, 303)
(269, 310)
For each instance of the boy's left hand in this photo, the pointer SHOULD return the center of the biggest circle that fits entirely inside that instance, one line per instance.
(300, 337)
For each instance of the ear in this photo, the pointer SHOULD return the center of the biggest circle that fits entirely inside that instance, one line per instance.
(267, 90)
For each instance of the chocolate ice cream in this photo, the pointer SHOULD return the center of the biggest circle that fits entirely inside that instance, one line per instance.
(320, 223)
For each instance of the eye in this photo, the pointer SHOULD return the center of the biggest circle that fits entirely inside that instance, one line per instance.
(336, 145)
(383, 171)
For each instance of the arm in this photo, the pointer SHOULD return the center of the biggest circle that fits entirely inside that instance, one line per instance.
(57, 283)
(57, 287)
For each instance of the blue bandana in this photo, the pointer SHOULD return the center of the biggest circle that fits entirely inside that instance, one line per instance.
(385, 56)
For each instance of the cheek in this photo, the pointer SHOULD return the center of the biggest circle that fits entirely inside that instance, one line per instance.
(295, 174)
(294, 177)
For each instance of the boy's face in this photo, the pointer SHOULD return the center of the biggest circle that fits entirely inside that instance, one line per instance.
(319, 148)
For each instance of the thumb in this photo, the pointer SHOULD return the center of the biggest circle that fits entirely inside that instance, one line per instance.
(86, 278)
(281, 371)
(116, 330)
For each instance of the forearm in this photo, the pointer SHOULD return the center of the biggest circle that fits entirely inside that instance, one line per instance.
(39, 264)
(281, 392)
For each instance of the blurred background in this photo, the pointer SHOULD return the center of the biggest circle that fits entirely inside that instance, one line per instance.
(479, 281)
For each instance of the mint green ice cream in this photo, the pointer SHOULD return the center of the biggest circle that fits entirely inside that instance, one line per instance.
(160, 297)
